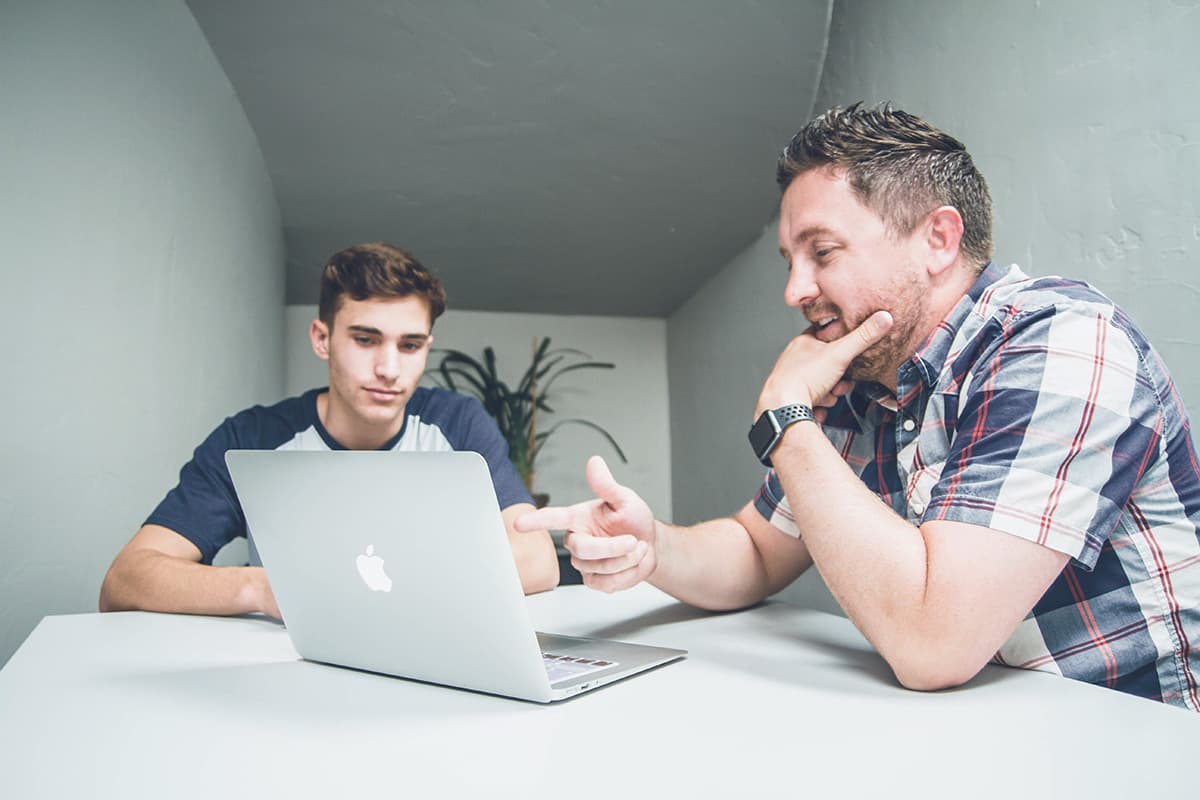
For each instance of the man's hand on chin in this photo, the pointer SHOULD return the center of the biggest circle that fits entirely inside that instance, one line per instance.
(812, 372)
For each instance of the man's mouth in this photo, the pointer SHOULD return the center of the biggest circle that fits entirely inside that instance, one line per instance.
(821, 324)
(383, 394)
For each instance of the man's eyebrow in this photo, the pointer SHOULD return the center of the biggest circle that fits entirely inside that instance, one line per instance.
(812, 232)
(803, 236)
(367, 329)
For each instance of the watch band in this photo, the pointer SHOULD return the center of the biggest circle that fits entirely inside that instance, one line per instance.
(766, 432)
(787, 415)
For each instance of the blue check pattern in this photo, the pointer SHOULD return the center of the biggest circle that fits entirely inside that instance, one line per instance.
(1038, 409)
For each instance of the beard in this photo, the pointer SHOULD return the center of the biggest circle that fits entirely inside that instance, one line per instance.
(908, 306)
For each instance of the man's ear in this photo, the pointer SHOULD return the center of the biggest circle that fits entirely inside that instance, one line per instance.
(943, 235)
(318, 334)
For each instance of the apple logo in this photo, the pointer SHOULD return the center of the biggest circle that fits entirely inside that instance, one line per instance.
(370, 567)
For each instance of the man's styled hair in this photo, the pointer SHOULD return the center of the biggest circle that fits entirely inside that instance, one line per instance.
(899, 166)
(377, 269)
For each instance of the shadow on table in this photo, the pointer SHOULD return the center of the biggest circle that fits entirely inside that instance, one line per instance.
(665, 615)
(818, 638)
(823, 639)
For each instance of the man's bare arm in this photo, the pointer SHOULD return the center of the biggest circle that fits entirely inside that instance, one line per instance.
(160, 570)
(615, 542)
(537, 562)
(937, 601)
(727, 563)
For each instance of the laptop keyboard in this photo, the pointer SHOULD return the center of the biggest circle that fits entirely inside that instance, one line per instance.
(559, 667)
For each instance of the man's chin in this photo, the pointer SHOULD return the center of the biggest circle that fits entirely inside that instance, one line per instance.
(381, 413)
(864, 369)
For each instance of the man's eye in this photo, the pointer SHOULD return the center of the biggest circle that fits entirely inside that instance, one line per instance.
(410, 347)
(363, 340)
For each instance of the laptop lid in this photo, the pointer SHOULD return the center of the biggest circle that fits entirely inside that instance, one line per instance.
(399, 563)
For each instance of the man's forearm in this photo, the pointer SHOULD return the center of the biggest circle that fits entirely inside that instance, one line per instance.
(152, 581)
(713, 565)
(873, 561)
(537, 561)
(533, 552)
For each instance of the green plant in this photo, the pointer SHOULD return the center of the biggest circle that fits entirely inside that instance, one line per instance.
(516, 410)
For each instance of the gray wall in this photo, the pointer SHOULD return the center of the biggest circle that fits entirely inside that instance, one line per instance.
(721, 345)
(1081, 115)
(142, 269)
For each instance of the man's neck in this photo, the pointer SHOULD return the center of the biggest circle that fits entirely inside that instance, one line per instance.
(350, 432)
(942, 300)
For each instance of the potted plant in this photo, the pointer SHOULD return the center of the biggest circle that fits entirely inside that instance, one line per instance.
(516, 409)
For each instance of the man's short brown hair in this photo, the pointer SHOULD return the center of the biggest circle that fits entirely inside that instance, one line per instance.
(899, 166)
(377, 269)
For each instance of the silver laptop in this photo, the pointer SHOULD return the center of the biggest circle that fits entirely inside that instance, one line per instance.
(399, 563)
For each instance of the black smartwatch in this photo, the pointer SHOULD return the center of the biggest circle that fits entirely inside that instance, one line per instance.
(768, 430)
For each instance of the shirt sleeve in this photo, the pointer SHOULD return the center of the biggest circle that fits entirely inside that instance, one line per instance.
(480, 434)
(772, 505)
(203, 507)
(1056, 423)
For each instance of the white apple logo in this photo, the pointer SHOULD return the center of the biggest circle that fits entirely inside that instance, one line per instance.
(370, 567)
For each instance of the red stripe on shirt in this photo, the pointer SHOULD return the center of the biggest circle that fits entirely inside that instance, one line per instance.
(1089, 622)
(1164, 578)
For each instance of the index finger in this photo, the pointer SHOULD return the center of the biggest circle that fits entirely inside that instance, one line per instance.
(586, 547)
(550, 518)
(872, 329)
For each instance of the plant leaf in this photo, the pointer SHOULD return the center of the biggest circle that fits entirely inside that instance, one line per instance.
(571, 368)
(514, 411)
(545, 435)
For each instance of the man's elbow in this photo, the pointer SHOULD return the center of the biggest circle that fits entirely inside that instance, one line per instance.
(117, 592)
(920, 672)
(109, 593)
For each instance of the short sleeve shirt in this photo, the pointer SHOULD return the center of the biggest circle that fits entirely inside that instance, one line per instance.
(204, 508)
(1038, 409)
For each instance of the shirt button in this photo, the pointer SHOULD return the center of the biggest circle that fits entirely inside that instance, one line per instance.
(908, 425)
(918, 509)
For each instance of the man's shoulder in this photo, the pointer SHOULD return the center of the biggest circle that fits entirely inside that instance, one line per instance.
(1017, 308)
(1059, 324)
(1018, 294)
(268, 426)
(460, 418)
(432, 403)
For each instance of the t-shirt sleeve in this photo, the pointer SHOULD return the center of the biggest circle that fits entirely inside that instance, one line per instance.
(1056, 423)
(203, 507)
(480, 434)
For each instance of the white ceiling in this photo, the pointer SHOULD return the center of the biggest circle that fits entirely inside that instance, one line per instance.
(581, 156)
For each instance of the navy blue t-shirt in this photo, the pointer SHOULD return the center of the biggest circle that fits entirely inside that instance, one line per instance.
(204, 509)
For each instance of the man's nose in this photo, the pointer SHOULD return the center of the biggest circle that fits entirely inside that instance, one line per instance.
(387, 364)
(801, 285)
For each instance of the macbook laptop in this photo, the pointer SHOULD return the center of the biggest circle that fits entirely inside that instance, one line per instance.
(399, 563)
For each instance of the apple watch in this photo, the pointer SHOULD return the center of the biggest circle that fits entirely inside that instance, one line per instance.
(768, 430)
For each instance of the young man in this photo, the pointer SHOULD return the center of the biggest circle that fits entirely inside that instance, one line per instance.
(377, 309)
(1040, 490)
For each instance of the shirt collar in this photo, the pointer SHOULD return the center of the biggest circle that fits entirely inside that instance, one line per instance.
(931, 357)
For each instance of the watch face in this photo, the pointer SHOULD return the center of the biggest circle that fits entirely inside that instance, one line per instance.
(763, 435)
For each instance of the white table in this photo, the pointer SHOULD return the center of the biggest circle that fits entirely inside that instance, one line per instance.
(773, 701)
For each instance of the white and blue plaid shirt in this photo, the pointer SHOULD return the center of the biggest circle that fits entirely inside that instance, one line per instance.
(1037, 408)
